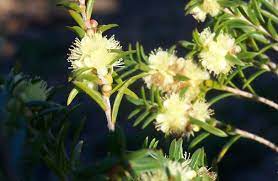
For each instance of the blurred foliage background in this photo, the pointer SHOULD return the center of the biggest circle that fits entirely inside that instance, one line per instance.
(33, 36)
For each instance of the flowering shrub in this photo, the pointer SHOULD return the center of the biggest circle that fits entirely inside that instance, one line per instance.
(173, 95)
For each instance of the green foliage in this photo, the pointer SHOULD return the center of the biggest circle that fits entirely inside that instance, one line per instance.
(55, 139)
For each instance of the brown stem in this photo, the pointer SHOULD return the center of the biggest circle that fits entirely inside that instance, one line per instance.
(251, 96)
(256, 138)
(110, 125)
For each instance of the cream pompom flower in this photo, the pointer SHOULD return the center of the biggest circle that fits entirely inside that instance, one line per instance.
(161, 75)
(200, 110)
(215, 50)
(156, 175)
(199, 14)
(95, 51)
(164, 67)
(175, 116)
(173, 119)
(211, 7)
(182, 170)
(196, 77)
(205, 172)
(30, 90)
(175, 170)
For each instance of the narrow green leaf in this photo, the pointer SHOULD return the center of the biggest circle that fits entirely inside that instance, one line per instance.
(137, 102)
(198, 159)
(76, 133)
(69, 5)
(139, 58)
(145, 58)
(153, 144)
(77, 17)
(270, 16)
(252, 16)
(209, 128)
(92, 78)
(77, 30)
(226, 147)
(141, 118)
(271, 6)
(75, 159)
(253, 77)
(235, 60)
(245, 36)
(133, 113)
(120, 94)
(96, 96)
(272, 29)
(146, 142)
(72, 95)
(247, 55)
(158, 98)
(89, 8)
(130, 93)
(219, 97)
(143, 94)
(104, 28)
(196, 37)
(149, 120)
(187, 44)
(257, 10)
(176, 150)
(198, 140)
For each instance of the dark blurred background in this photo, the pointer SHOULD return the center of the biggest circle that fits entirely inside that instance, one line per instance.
(33, 35)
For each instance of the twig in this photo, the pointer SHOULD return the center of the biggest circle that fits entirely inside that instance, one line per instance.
(256, 138)
(250, 96)
(273, 67)
(244, 134)
(110, 125)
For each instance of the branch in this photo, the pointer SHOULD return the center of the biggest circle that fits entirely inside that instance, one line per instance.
(250, 96)
(235, 131)
(273, 67)
(108, 111)
(256, 138)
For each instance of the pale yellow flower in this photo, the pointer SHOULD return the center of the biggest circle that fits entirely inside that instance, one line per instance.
(28, 91)
(95, 51)
(175, 117)
(161, 75)
(200, 110)
(211, 7)
(198, 13)
(181, 169)
(214, 52)
(164, 67)
(156, 175)
(204, 172)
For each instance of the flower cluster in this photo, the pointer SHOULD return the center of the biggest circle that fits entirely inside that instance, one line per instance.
(181, 170)
(175, 116)
(210, 7)
(214, 52)
(95, 51)
(31, 90)
(164, 69)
